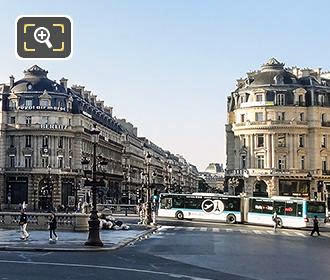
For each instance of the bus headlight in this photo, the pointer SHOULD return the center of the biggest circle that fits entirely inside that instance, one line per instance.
(306, 220)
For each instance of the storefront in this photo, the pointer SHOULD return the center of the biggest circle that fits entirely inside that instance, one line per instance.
(298, 188)
(16, 190)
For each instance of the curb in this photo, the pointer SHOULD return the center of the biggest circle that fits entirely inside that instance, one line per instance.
(121, 244)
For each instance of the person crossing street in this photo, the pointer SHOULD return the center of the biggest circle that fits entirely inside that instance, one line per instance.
(315, 226)
(275, 220)
(23, 224)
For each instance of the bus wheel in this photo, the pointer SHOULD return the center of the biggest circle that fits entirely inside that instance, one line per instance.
(179, 215)
(279, 223)
(231, 219)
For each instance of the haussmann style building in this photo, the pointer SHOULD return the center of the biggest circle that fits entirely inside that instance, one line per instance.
(278, 133)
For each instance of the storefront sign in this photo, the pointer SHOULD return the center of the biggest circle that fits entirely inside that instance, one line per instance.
(42, 108)
(53, 126)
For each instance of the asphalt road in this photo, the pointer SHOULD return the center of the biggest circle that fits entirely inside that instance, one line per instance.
(186, 251)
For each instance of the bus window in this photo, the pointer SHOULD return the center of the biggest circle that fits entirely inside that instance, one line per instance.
(166, 203)
(300, 210)
(290, 208)
(232, 204)
(280, 207)
(267, 207)
(193, 203)
(178, 202)
(315, 207)
(256, 206)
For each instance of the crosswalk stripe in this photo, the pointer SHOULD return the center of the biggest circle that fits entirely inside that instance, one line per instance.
(271, 232)
(215, 229)
(299, 233)
(243, 231)
(257, 231)
(178, 228)
(229, 230)
(190, 228)
(286, 233)
(325, 234)
(203, 229)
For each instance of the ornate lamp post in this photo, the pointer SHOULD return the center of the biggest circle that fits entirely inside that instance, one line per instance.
(170, 170)
(233, 183)
(94, 223)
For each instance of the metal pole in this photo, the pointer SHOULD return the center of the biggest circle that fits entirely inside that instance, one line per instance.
(94, 223)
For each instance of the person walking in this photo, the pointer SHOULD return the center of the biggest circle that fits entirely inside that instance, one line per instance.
(315, 226)
(23, 224)
(275, 220)
(52, 227)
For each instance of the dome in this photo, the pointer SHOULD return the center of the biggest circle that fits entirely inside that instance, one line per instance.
(35, 79)
(214, 168)
(272, 72)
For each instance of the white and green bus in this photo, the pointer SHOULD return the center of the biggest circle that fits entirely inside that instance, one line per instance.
(291, 212)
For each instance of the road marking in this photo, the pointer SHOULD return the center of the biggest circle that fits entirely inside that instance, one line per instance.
(203, 229)
(271, 232)
(178, 228)
(174, 275)
(243, 231)
(190, 228)
(215, 229)
(287, 233)
(229, 230)
(257, 231)
(166, 228)
(299, 233)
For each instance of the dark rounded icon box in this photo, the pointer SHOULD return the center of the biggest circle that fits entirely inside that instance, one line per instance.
(44, 37)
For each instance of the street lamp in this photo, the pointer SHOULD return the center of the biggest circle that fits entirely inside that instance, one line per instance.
(94, 223)
(170, 170)
(233, 183)
(148, 212)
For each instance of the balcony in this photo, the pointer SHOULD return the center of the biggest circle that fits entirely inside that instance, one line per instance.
(326, 124)
(257, 104)
(325, 172)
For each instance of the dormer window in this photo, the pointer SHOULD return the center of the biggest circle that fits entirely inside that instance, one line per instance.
(280, 99)
(29, 87)
(321, 99)
(259, 97)
(44, 102)
(28, 102)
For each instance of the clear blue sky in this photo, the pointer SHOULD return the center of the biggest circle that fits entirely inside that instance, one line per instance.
(167, 66)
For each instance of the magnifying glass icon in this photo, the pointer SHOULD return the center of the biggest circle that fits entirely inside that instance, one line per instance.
(42, 35)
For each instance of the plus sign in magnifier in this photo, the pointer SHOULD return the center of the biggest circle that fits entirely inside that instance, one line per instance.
(42, 35)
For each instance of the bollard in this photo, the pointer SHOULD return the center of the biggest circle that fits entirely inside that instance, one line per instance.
(126, 211)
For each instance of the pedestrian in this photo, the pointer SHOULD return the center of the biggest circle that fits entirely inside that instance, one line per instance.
(274, 217)
(52, 227)
(23, 224)
(315, 226)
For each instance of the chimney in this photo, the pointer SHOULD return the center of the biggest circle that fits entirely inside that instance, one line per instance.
(64, 83)
(12, 80)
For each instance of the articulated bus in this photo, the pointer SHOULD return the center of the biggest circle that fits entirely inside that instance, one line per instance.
(291, 212)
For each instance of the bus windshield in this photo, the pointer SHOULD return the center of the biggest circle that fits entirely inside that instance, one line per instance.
(315, 207)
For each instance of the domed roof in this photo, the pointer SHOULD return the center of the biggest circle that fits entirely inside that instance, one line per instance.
(35, 79)
(272, 72)
(214, 168)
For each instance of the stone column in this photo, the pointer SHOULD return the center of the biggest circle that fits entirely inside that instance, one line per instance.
(252, 152)
(269, 151)
(273, 165)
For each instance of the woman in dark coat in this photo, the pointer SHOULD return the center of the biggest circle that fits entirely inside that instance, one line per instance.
(52, 227)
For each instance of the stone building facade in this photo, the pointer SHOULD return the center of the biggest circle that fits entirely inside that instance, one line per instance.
(278, 132)
(44, 135)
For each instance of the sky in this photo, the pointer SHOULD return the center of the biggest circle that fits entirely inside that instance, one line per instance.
(168, 66)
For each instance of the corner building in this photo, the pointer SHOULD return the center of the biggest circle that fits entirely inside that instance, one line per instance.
(278, 132)
(44, 135)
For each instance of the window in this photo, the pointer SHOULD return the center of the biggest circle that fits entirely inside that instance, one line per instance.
(282, 163)
(324, 141)
(301, 117)
(279, 207)
(290, 208)
(60, 142)
(281, 140)
(259, 116)
(301, 100)
(44, 119)
(193, 203)
(12, 161)
(323, 118)
(178, 202)
(302, 162)
(28, 140)
(301, 141)
(260, 162)
(12, 105)
(242, 118)
(28, 102)
(258, 97)
(280, 100)
(45, 141)
(60, 162)
(70, 143)
(299, 210)
(60, 120)
(70, 162)
(12, 120)
(260, 140)
(44, 162)
(166, 203)
(321, 100)
(44, 102)
(281, 116)
(324, 163)
(28, 161)
(231, 204)
(28, 120)
(243, 161)
(11, 140)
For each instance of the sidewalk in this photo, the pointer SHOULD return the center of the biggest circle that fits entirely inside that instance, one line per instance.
(69, 241)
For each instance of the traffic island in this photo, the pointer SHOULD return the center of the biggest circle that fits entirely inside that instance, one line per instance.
(70, 241)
